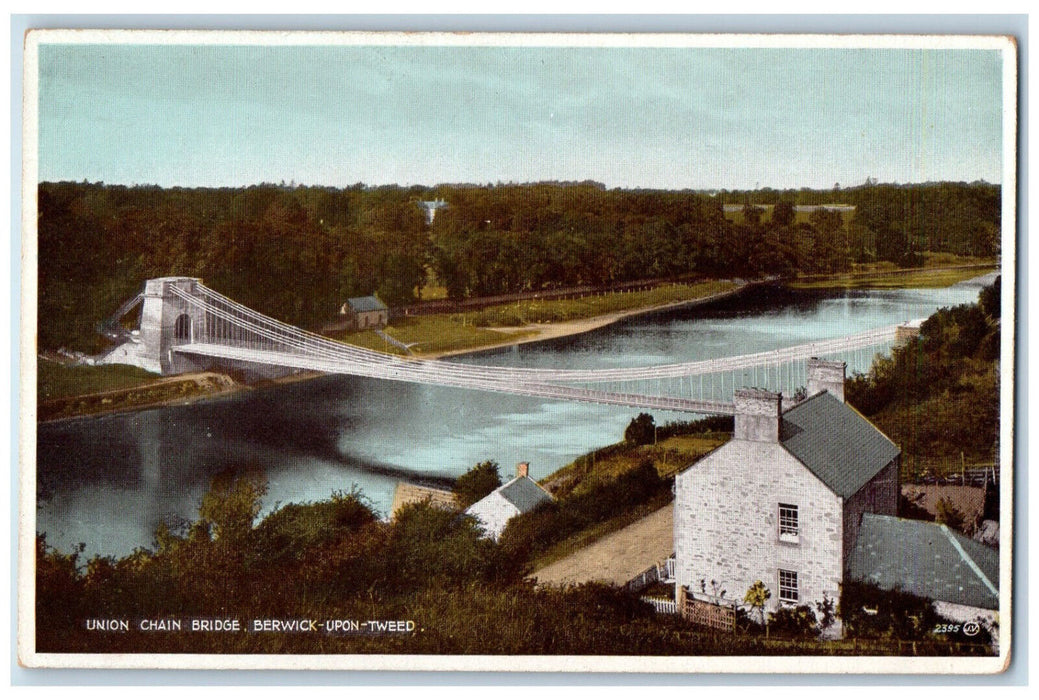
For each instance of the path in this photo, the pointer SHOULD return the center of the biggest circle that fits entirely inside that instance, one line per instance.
(618, 557)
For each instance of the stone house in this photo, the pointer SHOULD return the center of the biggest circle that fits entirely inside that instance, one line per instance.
(520, 495)
(783, 500)
(359, 313)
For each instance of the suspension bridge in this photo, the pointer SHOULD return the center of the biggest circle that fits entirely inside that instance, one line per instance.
(184, 326)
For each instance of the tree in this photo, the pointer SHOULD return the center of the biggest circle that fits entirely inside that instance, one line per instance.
(477, 483)
(782, 214)
(752, 215)
(641, 430)
(232, 504)
(989, 298)
(756, 597)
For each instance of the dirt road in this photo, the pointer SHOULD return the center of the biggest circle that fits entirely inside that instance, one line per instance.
(618, 557)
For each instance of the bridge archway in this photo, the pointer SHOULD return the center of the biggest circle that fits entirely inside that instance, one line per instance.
(182, 329)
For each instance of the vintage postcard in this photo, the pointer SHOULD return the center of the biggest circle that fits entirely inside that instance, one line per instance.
(545, 352)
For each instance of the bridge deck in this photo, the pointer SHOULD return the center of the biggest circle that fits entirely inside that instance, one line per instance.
(419, 373)
(223, 328)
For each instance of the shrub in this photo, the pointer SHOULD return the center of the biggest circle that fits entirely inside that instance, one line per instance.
(793, 622)
(870, 612)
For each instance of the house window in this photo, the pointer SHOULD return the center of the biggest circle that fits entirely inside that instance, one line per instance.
(789, 526)
(788, 587)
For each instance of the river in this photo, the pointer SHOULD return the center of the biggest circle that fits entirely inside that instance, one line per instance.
(109, 481)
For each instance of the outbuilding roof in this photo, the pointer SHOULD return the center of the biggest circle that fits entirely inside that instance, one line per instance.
(363, 304)
(835, 442)
(925, 559)
(524, 493)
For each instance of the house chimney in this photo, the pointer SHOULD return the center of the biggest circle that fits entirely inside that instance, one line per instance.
(757, 415)
(523, 469)
(826, 376)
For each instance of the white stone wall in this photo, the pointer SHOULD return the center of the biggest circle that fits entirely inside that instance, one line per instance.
(493, 511)
(966, 613)
(727, 523)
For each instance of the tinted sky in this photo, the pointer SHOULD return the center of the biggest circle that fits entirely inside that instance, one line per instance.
(651, 117)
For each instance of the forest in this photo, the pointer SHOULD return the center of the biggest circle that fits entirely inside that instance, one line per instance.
(297, 252)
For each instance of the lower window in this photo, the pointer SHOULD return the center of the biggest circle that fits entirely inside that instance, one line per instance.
(788, 586)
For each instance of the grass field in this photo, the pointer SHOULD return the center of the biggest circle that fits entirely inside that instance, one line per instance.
(431, 334)
(559, 310)
(55, 380)
(918, 279)
(69, 391)
(462, 331)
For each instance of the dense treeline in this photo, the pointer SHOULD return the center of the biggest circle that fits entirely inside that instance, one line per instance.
(952, 217)
(938, 396)
(297, 252)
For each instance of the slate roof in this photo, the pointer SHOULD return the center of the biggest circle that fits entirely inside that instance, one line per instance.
(836, 443)
(363, 304)
(524, 493)
(925, 559)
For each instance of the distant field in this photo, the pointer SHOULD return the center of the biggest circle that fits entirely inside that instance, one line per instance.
(802, 214)
(917, 279)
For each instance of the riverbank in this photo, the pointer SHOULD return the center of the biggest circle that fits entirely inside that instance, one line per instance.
(917, 278)
(538, 332)
(180, 389)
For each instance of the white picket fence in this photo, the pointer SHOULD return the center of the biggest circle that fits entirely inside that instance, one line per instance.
(664, 606)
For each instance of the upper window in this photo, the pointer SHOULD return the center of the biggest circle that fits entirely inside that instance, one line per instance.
(788, 587)
(789, 525)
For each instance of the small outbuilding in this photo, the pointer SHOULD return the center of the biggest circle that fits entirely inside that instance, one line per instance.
(360, 313)
(496, 509)
(929, 560)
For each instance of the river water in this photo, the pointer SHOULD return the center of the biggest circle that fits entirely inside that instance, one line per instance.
(109, 481)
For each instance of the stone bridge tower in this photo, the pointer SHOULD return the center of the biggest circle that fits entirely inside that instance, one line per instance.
(166, 321)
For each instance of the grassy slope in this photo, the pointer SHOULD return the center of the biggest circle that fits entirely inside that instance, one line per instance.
(55, 380)
(585, 473)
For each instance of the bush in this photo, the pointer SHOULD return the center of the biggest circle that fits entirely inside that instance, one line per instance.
(870, 612)
(793, 622)
(949, 515)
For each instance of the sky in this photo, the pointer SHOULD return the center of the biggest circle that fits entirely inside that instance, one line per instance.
(673, 118)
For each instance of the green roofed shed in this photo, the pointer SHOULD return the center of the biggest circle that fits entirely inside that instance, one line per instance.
(926, 559)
